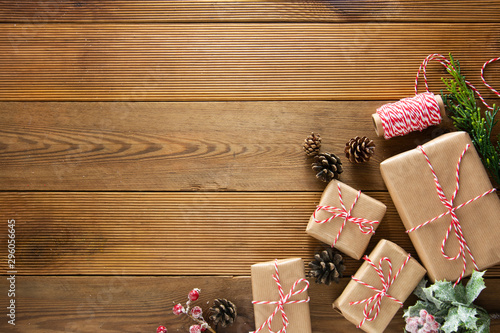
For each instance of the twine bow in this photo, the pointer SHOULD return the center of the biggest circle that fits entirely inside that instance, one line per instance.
(451, 210)
(365, 225)
(284, 299)
(376, 300)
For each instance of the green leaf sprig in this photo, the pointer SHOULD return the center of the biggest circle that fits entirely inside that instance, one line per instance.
(466, 114)
(451, 306)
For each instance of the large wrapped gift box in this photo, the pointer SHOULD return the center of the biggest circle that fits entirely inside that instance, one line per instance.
(365, 301)
(328, 223)
(431, 215)
(291, 277)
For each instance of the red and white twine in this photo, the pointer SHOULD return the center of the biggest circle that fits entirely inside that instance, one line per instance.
(421, 111)
(284, 300)
(365, 226)
(447, 64)
(409, 115)
(451, 210)
(373, 303)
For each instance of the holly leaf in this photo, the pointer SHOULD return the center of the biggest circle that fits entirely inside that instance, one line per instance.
(444, 291)
(419, 290)
(484, 327)
(439, 293)
(461, 298)
(452, 321)
(414, 310)
(474, 287)
(468, 317)
(484, 320)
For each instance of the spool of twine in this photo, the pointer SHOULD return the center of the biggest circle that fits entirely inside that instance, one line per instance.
(423, 110)
(408, 115)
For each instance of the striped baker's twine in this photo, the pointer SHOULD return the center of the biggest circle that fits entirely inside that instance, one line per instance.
(365, 225)
(450, 210)
(284, 299)
(409, 115)
(421, 111)
(446, 63)
(370, 313)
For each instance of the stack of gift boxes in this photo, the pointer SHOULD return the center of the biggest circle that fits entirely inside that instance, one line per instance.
(449, 209)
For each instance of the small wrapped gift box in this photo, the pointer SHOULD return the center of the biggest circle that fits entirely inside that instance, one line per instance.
(446, 202)
(279, 290)
(346, 219)
(379, 287)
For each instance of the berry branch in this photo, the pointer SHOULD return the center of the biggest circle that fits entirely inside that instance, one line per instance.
(223, 312)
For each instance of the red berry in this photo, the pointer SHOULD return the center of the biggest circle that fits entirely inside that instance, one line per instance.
(194, 294)
(196, 312)
(161, 329)
(178, 309)
(195, 329)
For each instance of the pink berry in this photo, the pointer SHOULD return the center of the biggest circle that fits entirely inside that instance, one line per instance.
(423, 313)
(194, 294)
(161, 329)
(178, 309)
(430, 318)
(195, 329)
(196, 312)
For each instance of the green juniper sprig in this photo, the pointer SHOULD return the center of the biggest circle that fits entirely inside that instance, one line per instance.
(466, 114)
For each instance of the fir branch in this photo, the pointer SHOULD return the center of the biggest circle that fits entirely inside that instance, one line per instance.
(466, 114)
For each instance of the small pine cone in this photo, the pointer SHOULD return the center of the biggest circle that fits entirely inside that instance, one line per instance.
(359, 150)
(223, 312)
(327, 266)
(312, 144)
(327, 166)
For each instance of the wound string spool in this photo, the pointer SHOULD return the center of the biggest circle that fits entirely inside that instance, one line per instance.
(408, 115)
(421, 111)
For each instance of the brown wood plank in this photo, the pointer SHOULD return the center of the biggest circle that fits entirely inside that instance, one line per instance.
(174, 233)
(200, 62)
(207, 146)
(139, 304)
(36, 12)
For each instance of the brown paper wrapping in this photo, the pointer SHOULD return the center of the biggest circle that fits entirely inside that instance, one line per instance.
(264, 288)
(402, 287)
(351, 241)
(411, 185)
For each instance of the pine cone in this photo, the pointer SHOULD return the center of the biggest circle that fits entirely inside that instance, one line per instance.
(223, 312)
(327, 266)
(359, 150)
(328, 166)
(312, 144)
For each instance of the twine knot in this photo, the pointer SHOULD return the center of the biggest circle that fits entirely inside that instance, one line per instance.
(373, 303)
(365, 226)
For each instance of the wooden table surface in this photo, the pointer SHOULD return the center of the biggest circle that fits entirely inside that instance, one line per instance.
(147, 147)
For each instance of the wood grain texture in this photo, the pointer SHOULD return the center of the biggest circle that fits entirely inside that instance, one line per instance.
(36, 12)
(140, 304)
(200, 62)
(176, 233)
(203, 146)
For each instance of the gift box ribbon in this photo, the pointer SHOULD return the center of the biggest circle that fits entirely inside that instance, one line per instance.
(451, 210)
(284, 299)
(376, 300)
(365, 225)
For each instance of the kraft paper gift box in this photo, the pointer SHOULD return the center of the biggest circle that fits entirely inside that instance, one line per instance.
(414, 191)
(406, 273)
(265, 289)
(351, 241)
